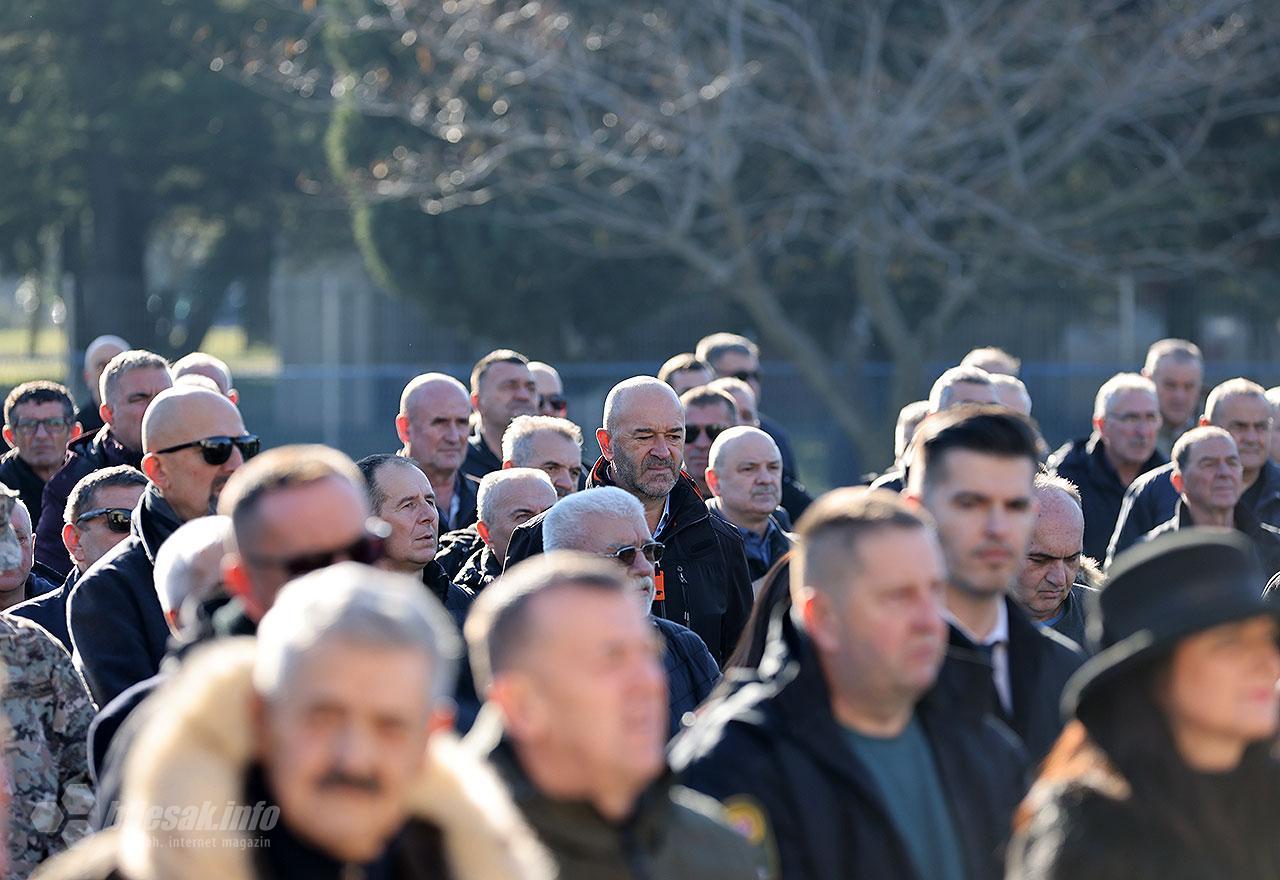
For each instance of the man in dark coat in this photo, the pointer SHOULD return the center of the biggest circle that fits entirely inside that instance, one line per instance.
(1126, 418)
(974, 471)
(1241, 408)
(842, 759)
(97, 355)
(432, 424)
(129, 383)
(501, 389)
(194, 440)
(703, 580)
(575, 725)
(508, 498)
(745, 476)
(39, 422)
(21, 583)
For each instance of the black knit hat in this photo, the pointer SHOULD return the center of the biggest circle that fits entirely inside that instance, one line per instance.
(1162, 591)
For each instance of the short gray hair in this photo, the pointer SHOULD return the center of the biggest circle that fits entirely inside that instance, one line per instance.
(910, 417)
(517, 440)
(1183, 447)
(991, 356)
(1237, 387)
(1181, 350)
(1054, 483)
(711, 348)
(83, 493)
(190, 363)
(352, 603)
(940, 394)
(1273, 398)
(1118, 384)
(126, 362)
(494, 486)
(568, 525)
(189, 564)
(1007, 381)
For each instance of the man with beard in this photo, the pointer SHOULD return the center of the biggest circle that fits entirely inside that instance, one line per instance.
(745, 476)
(703, 580)
(502, 387)
(432, 424)
(1049, 585)
(707, 414)
(194, 441)
(610, 523)
(39, 422)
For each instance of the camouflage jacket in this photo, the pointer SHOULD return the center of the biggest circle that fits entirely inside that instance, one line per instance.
(47, 710)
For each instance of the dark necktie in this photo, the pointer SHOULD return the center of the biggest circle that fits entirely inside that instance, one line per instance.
(997, 705)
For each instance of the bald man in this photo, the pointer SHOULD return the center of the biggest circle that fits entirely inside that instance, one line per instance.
(96, 357)
(214, 369)
(703, 579)
(193, 440)
(744, 474)
(433, 424)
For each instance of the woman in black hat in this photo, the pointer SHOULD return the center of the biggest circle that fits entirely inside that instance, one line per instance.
(1170, 768)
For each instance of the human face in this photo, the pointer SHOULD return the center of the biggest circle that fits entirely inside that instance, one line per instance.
(507, 390)
(1053, 558)
(435, 427)
(882, 634)
(133, 393)
(597, 697)
(684, 380)
(557, 456)
(521, 501)
(1178, 388)
(1220, 691)
(985, 511)
(318, 517)
(1130, 426)
(1247, 418)
(92, 537)
(410, 510)
(741, 366)
(189, 483)
(1214, 478)
(748, 479)
(610, 534)
(12, 580)
(549, 389)
(746, 407)
(697, 451)
(41, 447)
(647, 446)
(93, 369)
(344, 742)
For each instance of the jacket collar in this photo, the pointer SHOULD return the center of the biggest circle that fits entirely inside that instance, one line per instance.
(153, 521)
(437, 580)
(1100, 464)
(687, 506)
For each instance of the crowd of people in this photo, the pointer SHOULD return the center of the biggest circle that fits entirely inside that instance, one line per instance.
(480, 656)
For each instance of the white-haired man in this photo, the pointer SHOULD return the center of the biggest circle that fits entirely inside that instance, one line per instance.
(745, 478)
(198, 363)
(703, 582)
(97, 355)
(508, 498)
(1126, 417)
(339, 763)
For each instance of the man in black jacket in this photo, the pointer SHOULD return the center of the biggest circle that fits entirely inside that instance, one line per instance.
(842, 758)
(194, 440)
(703, 581)
(129, 383)
(39, 421)
(1049, 584)
(973, 470)
(432, 424)
(745, 476)
(508, 498)
(501, 389)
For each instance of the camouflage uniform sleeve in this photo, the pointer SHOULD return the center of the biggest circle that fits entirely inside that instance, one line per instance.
(73, 713)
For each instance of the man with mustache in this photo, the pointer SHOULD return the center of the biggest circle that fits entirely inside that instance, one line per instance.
(844, 759)
(194, 440)
(745, 476)
(703, 582)
(432, 424)
(318, 750)
(610, 524)
(502, 387)
(973, 470)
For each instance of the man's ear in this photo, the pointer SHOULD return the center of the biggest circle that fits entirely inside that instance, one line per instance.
(508, 464)
(606, 443)
(7, 433)
(713, 481)
(104, 413)
(402, 427)
(71, 540)
(153, 467)
(525, 714)
(475, 401)
(1097, 423)
(236, 580)
(76, 430)
(1204, 422)
(815, 610)
(1176, 479)
(483, 531)
(233, 395)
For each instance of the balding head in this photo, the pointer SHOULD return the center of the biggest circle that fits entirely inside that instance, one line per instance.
(215, 369)
(643, 437)
(433, 424)
(185, 477)
(745, 473)
(180, 415)
(1053, 558)
(637, 397)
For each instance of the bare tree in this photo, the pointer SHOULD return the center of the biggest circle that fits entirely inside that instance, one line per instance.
(927, 150)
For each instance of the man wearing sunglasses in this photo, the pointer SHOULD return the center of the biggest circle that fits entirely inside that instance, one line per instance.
(97, 518)
(39, 422)
(703, 582)
(610, 524)
(194, 441)
(551, 399)
(707, 414)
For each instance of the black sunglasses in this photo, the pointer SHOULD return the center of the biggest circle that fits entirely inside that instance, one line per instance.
(366, 549)
(693, 432)
(652, 551)
(117, 517)
(746, 375)
(557, 402)
(216, 450)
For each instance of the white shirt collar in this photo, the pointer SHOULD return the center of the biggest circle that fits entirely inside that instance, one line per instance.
(999, 634)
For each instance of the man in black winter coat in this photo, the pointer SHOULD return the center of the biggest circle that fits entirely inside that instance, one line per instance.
(39, 421)
(842, 758)
(703, 581)
(194, 440)
(973, 471)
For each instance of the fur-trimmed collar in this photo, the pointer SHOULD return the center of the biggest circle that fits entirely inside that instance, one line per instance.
(198, 751)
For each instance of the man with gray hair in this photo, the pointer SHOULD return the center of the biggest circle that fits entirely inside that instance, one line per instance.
(703, 582)
(550, 444)
(1051, 584)
(609, 523)
(962, 385)
(127, 386)
(97, 355)
(508, 498)
(1126, 416)
(1177, 368)
(995, 361)
(198, 363)
(745, 478)
(432, 424)
(189, 568)
(1273, 398)
(575, 724)
(1241, 408)
(322, 748)
(1012, 393)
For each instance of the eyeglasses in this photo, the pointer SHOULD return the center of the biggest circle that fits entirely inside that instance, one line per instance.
(29, 427)
(216, 450)
(693, 432)
(117, 517)
(652, 551)
(747, 375)
(366, 549)
(557, 402)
